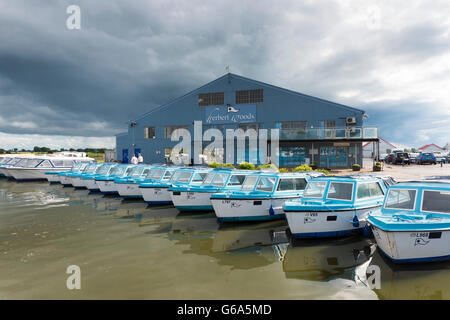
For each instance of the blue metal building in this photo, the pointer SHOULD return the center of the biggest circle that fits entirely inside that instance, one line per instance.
(311, 129)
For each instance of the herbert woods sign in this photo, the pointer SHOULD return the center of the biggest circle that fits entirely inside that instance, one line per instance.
(230, 114)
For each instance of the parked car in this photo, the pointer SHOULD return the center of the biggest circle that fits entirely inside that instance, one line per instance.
(401, 157)
(413, 156)
(388, 158)
(441, 157)
(426, 158)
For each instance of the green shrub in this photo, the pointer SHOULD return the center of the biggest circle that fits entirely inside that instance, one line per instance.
(303, 167)
(267, 166)
(283, 170)
(356, 166)
(246, 166)
(378, 164)
(220, 165)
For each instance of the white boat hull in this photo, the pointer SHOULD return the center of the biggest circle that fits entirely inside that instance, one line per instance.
(52, 178)
(65, 180)
(248, 210)
(156, 195)
(78, 182)
(191, 201)
(91, 184)
(107, 187)
(129, 190)
(413, 246)
(32, 174)
(304, 224)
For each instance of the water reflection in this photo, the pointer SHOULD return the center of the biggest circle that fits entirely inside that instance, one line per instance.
(326, 259)
(238, 246)
(412, 281)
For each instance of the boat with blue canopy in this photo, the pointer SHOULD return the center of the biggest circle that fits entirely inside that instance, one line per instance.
(74, 179)
(334, 206)
(106, 183)
(53, 177)
(197, 197)
(158, 192)
(129, 187)
(414, 222)
(104, 170)
(261, 196)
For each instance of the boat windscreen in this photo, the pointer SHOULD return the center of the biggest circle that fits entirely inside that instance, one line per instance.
(208, 179)
(236, 180)
(266, 184)
(90, 169)
(155, 174)
(340, 190)
(315, 189)
(135, 172)
(220, 179)
(249, 183)
(102, 169)
(401, 199)
(185, 176)
(176, 175)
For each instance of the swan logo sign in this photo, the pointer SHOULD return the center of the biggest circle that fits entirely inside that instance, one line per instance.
(230, 114)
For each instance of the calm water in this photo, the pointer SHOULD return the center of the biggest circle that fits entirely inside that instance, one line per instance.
(127, 250)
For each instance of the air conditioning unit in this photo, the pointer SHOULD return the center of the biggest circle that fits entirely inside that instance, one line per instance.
(350, 120)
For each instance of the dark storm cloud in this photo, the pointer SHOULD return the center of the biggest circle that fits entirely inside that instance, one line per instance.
(130, 57)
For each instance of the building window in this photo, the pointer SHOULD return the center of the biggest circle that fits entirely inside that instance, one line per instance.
(294, 125)
(149, 133)
(170, 129)
(249, 96)
(246, 126)
(211, 99)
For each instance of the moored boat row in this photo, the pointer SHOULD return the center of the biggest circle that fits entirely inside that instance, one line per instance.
(410, 221)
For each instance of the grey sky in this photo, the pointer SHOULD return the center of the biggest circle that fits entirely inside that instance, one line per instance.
(390, 59)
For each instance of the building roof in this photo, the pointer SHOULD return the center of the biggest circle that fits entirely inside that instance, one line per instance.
(367, 143)
(429, 145)
(253, 81)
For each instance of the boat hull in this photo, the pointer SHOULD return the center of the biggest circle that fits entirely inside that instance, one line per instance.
(78, 182)
(32, 174)
(52, 178)
(156, 195)
(91, 185)
(129, 190)
(106, 186)
(248, 209)
(65, 180)
(307, 224)
(413, 246)
(191, 201)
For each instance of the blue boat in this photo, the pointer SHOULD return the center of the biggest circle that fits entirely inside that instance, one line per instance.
(414, 222)
(103, 170)
(129, 187)
(106, 183)
(197, 197)
(334, 206)
(54, 177)
(261, 196)
(74, 179)
(158, 192)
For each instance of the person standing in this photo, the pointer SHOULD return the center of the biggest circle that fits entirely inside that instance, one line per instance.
(140, 158)
(134, 160)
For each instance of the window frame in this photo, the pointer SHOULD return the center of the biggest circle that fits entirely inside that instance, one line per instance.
(421, 201)
(212, 99)
(341, 182)
(415, 199)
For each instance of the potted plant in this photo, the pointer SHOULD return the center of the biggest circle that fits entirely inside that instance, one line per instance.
(377, 166)
(314, 165)
(356, 167)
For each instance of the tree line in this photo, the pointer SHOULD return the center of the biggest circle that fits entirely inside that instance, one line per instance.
(49, 150)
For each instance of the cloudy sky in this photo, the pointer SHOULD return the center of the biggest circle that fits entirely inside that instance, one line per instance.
(77, 88)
